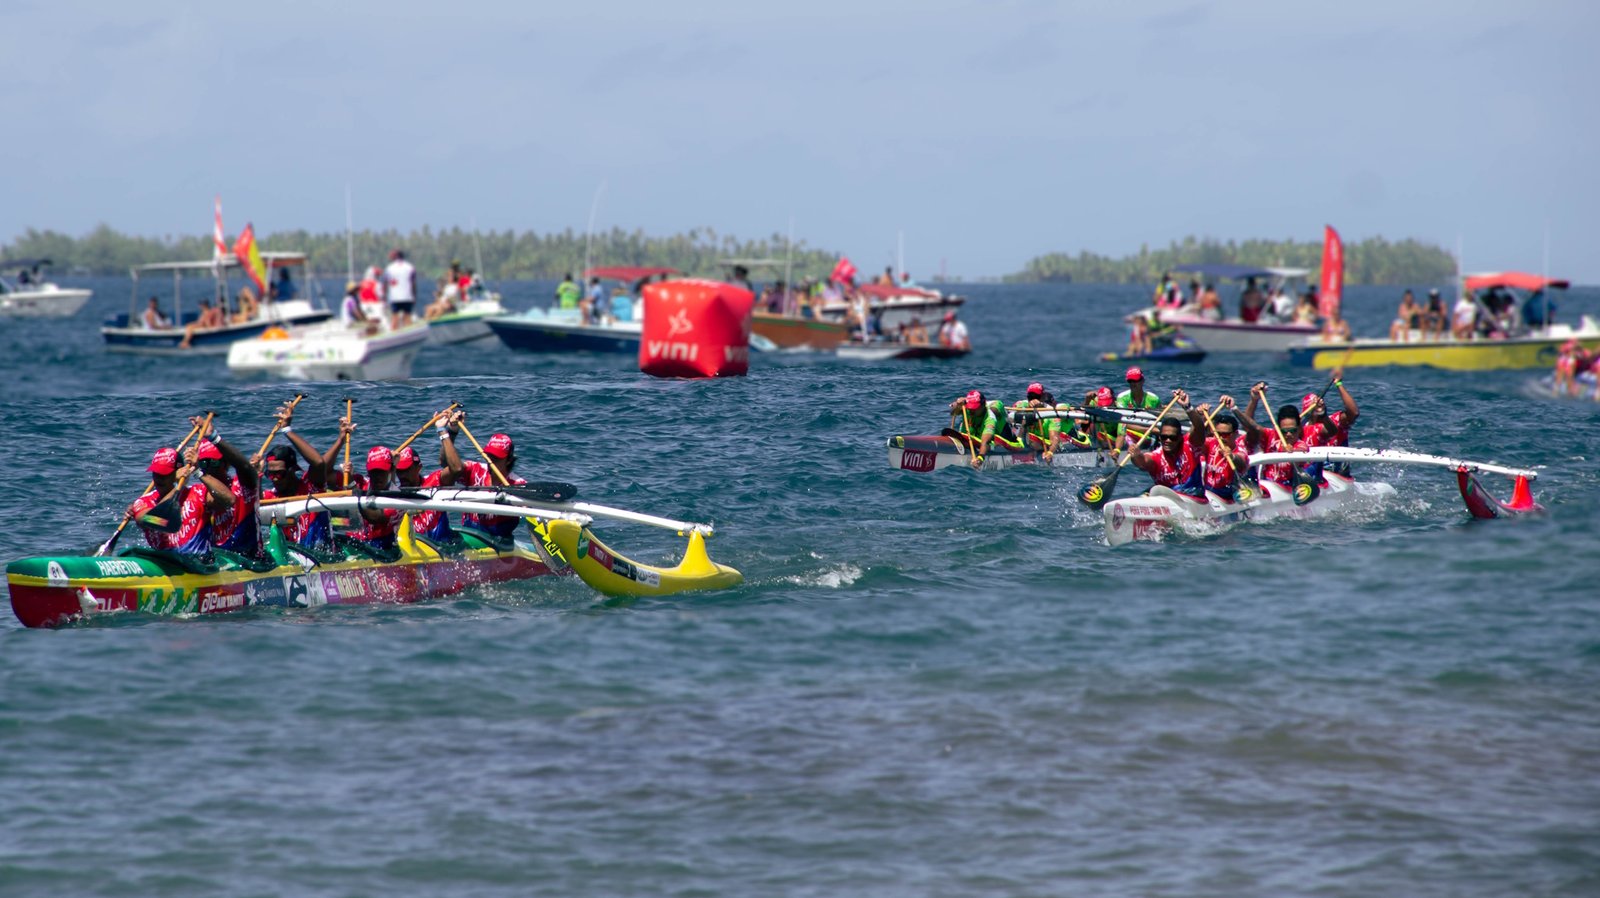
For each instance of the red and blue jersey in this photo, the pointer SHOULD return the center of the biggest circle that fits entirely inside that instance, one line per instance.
(194, 527)
(434, 525)
(1182, 475)
(379, 534)
(308, 529)
(1279, 473)
(503, 526)
(235, 529)
(1218, 473)
(154, 538)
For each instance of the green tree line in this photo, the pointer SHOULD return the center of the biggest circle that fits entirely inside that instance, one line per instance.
(1371, 261)
(506, 254)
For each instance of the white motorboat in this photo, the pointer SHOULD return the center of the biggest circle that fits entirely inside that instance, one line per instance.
(1271, 331)
(894, 305)
(468, 321)
(28, 295)
(331, 350)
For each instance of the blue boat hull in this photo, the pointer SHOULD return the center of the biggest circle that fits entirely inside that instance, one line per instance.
(120, 338)
(536, 336)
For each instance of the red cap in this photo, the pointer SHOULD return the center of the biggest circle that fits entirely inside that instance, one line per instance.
(498, 446)
(165, 461)
(974, 399)
(379, 458)
(1134, 374)
(1308, 402)
(949, 316)
(1035, 387)
(404, 459)
(207, 450)
(1103, 397)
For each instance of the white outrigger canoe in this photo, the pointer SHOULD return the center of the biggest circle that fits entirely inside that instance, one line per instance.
(1161, 510)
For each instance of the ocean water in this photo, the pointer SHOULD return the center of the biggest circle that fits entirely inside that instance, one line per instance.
(929, 685)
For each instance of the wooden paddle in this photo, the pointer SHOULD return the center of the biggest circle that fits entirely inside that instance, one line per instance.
(111, 544)
(1305, 489)
(261, 453)
(1242, 491)
(349, 419)
(1095, 493)
(1332, 379)
(424, 428)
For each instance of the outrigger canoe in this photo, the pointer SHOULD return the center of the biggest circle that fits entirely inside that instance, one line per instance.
(925, 454)
(47, 591)
(1161, 510)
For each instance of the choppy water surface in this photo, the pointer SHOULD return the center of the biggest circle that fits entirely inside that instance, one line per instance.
(930, 685)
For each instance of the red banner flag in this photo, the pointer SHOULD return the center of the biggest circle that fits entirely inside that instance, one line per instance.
(216, 232)
(249, 256)
(1332, 288)
(843, 271)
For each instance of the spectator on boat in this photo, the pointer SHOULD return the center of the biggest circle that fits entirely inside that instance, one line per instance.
(887, 278)
(1251, 302)
(917, 334)
(592, 306)
(284, 288)
(906, 281)
(152, 319)
(953, 333)
(400, 288)
(1282, 307)
(1464, 317)
(210, 317)
(1306, 311)
(248, 307)
(1338, 329)
(372, 285)
(1539, 311)
(350, 314)
(1194, 293)
(1139, 335)
(622, 306)
(452, 276)
(1211, 303)
(1434, 317)
(1407, 318)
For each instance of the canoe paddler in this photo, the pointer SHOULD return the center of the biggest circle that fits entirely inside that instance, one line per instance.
(377, 525)
(1176, 464)
(1224, 444)
(1042, 434)
(203, 502)
(1323, 429)
(163, 479)
(433, 525)
(1095, 432)
(981, 421)
(502, 454)
(285, 480)
(233, 526)
(1135, 397)
(1267, 438)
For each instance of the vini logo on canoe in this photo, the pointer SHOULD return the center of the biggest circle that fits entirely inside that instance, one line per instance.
(918, 460)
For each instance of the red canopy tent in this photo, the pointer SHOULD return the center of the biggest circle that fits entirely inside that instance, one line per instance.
(1516, 280)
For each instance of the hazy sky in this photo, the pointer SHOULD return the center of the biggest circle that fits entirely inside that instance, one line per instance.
(987, 132)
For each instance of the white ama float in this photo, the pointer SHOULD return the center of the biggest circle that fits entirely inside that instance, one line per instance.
(1161, 510)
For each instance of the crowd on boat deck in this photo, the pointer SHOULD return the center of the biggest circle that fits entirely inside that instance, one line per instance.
(205, 498)
(1191, 463)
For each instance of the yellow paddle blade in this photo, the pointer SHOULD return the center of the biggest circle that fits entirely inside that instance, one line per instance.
(1302, 493)
(1093, 493)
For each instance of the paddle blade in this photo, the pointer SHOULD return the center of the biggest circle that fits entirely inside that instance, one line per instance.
(164, 517)
(1245, 491)
(1097, 491)
(1305, 491)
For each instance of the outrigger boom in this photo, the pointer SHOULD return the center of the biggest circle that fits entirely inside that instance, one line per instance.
(466, 500)
(1393, 456)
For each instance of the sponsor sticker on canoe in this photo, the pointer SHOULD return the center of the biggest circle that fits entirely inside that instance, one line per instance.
(55, 574)
(918, 460)
(118, 567)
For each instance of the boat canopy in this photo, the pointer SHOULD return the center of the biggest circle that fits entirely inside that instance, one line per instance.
(272, 259)
(629, 272)
(19, 264)
(753, 263)
(1516, 280)
(884, 291)
(1240, 272)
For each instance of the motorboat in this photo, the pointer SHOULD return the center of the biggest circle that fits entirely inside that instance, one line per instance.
(126, 333)
(1271, 327)
(566, 330)
(26, 294)
(331, 350)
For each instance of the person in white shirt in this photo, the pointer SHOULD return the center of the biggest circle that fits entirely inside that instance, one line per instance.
(954, 332)
(400, 288)
(153, 319)
(1464, 317)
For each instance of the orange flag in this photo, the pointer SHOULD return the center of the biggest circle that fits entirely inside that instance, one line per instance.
(249, 256)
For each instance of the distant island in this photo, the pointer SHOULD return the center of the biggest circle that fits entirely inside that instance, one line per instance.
(1371, 261)
(506, 254)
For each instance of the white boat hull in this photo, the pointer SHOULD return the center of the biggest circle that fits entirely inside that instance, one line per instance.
(48, 301)
(331, 352)
(1234, 335)
(1159, 512)
(894, 311)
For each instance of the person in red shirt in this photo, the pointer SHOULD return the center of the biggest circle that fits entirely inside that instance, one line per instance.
(502, 455)
(1177, 463)
(163, 479)
(434, 525)
(378, 525)
(233, 525)
(1224, 444)
(284, 479)
(1267, 438)
(1323, 429)
(204, 502)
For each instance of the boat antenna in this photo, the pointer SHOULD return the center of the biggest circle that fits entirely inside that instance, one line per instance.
(900, 256)
(477, 248)
(788, 258)
(588, 239)
(349, 240)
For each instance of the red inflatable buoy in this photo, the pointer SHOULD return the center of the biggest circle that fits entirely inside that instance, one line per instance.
(696, 328)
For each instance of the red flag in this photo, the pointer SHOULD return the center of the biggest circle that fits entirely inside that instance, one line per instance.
(249, 256)
(843, 270)
(1332, 287)
(216, 233)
